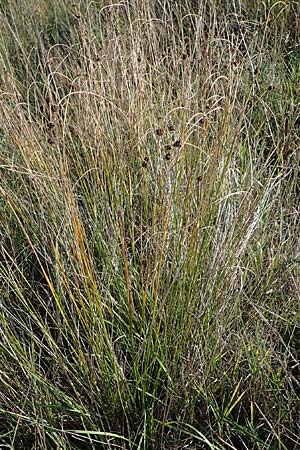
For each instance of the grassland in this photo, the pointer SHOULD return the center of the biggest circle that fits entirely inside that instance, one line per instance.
(149, 225)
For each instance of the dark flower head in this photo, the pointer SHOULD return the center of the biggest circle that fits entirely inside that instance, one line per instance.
(145, 161)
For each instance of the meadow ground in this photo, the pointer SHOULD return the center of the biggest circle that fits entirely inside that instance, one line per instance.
(149, 225)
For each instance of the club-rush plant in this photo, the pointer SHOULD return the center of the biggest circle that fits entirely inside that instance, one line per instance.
(149, 225)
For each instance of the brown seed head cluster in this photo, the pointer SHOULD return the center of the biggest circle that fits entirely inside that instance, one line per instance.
(145, 162)
(51, 141)
(160, 131)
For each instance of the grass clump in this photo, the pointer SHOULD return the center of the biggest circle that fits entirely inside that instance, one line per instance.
(149, 245)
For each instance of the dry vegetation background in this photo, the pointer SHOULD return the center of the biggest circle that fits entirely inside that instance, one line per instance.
(149, 225)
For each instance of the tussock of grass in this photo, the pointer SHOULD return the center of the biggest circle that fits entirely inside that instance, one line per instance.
(149, 245)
